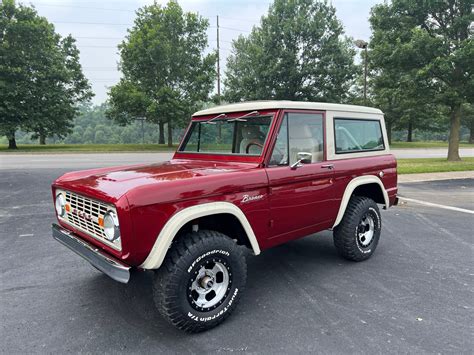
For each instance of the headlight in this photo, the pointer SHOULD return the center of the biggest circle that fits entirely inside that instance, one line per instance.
(60, 205)
(111, 226)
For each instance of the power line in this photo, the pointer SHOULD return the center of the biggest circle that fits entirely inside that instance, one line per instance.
(83, 7)
(94, 23)
(81, 37)
(234, 29)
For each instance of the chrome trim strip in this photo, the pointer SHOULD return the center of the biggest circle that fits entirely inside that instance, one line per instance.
(110, 266)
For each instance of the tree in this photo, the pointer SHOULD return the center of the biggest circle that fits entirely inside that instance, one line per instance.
(166, 74)
(41, 80)
(298, 52)
(430, 40)
(468, 120)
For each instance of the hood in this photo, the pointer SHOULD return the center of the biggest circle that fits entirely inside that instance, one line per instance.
(109, 184)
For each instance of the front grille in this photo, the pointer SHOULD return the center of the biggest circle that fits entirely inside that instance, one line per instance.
(84, 213)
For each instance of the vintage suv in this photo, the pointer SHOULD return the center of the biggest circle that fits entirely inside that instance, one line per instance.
(246, 176)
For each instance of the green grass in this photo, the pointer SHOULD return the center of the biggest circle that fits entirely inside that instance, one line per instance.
(426, 144)
(87, 148)
(433, 165)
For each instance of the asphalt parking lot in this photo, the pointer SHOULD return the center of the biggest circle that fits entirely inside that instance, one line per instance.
(415, 295)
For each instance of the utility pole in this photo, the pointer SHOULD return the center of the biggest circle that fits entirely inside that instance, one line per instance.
(218, 65)
(364, 45)
(219, 128)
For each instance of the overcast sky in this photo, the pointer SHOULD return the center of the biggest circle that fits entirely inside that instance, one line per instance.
(99, 26)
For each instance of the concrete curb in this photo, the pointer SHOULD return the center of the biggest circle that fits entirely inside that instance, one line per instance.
(408, 178)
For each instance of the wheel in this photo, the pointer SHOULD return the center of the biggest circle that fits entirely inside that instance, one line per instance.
(201, 280)
(357, 236)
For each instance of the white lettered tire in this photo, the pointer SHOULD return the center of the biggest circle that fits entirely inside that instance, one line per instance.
(201, 280)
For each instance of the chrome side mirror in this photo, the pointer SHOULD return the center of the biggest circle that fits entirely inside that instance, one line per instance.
(303, 158)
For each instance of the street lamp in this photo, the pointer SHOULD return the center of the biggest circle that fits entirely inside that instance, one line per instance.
(363, 45)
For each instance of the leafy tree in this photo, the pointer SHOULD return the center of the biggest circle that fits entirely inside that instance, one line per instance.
(430, 41)
(41, 80)
(298, 52)
(468, 120)
(166, 74)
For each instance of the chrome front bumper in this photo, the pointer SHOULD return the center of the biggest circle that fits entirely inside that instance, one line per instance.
(101, 261)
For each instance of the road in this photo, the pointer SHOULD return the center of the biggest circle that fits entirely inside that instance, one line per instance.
(93, 160)
(430, 153)
(413, 296)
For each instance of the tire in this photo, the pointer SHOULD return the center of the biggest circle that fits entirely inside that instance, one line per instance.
(352, 236)
(201, 281)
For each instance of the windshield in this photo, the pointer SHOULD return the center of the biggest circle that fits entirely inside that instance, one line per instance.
(241, 136)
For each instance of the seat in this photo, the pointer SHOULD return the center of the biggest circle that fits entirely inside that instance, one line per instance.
(250, 134)
(302, 140)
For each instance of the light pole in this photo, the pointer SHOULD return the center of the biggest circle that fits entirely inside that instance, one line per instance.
(363, 45)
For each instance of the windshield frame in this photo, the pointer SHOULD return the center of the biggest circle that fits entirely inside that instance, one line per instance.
(273, 114)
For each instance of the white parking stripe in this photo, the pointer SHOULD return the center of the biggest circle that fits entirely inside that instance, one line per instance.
(436, 205)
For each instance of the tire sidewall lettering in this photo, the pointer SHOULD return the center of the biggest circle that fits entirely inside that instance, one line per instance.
(211, 252)
(218, 314)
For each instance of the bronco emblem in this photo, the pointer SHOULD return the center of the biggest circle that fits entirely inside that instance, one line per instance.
(248, 198)
(82, 215)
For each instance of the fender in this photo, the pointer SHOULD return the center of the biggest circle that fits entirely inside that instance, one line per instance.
(178, 220)
(351, 186)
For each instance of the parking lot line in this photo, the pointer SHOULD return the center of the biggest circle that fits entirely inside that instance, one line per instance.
(457, 209)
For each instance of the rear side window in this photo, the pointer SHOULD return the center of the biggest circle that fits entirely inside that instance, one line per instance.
(357, 135)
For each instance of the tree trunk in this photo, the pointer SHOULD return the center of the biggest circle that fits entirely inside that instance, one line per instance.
(410, 132)
(471, 132)
(161, 139)
(170, 135)
(455, 125)
(42, 139)
(11, 140)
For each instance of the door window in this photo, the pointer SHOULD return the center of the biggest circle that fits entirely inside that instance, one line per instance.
(357, 135)
(301, 134)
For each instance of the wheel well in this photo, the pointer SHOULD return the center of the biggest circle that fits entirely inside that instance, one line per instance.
(372, 191)
(224, 223)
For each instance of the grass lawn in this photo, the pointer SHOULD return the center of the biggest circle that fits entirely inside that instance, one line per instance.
(427, 144)
(87, 148)
(433, 165)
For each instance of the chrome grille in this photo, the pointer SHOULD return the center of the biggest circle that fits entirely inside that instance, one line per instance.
(84, 214)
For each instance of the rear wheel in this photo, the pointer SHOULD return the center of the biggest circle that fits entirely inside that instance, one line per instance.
(357, 236)
(201, 280)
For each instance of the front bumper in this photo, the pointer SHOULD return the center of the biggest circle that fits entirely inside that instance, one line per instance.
(110, 266)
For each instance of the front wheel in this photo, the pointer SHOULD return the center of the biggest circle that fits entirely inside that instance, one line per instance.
(357, 236)
(201, 280)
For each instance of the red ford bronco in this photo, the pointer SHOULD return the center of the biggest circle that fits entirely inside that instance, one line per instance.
(248, 175)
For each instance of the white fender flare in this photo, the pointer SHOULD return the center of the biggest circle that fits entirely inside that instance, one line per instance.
(178, 220)
(351, 186)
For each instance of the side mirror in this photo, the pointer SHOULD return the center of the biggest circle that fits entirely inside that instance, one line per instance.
(303, 158)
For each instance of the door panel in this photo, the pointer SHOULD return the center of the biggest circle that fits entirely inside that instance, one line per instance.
(302, 198)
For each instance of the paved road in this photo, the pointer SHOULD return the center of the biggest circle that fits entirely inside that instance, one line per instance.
(92, 160)
(430, 153)
(413, 296)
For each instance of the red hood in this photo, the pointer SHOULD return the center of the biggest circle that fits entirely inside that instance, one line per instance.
(109, 184)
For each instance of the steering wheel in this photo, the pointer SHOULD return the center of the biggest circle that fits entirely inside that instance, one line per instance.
(251, 144)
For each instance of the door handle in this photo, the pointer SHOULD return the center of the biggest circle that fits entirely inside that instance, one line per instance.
(327, 166)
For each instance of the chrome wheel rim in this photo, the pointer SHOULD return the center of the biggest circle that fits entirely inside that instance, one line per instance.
(365, 230)
(210, 285)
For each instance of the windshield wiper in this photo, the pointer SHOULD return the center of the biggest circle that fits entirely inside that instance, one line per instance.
(240, 119)
(211, 121)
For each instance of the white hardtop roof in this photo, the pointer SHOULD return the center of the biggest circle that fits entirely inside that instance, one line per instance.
(301, 105)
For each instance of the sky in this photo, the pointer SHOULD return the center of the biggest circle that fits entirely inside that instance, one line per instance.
(99, 26)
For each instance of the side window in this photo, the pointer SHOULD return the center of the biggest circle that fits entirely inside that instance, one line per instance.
(357, 135)
(306, 136)
(280, 151)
